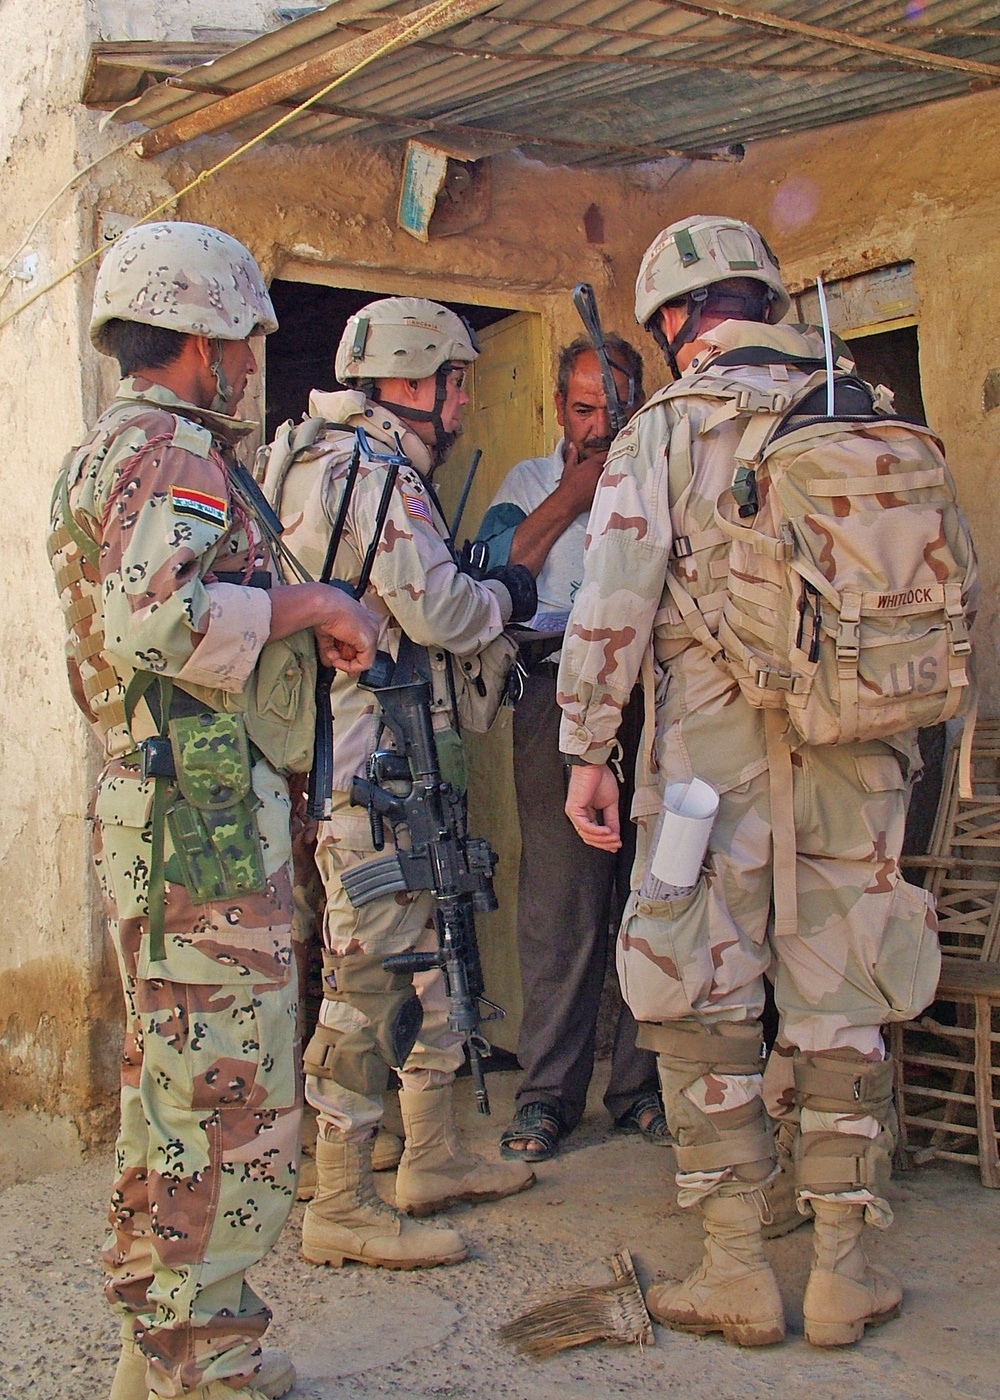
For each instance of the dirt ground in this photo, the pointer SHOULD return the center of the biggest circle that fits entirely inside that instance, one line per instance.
(356, 1333)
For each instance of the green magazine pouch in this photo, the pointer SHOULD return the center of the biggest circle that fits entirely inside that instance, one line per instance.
(212, 821)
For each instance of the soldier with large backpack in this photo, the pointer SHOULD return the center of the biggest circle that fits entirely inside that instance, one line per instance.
(784, 562)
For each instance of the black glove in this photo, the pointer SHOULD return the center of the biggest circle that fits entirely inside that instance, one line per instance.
(520, 584)
(474, 558)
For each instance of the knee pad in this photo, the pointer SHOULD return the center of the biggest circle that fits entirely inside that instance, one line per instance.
(842, 1082)
(686, 1053)
(360, 1058)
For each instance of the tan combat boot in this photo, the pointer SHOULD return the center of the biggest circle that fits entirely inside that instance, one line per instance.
(436, 1171)
(845, 1294)
(219, 1390)
(734, 1291)
(386, 1152)
(781, 1214)
(347, 1219)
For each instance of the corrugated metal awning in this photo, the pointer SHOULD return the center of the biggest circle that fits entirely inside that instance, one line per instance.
(594, 82)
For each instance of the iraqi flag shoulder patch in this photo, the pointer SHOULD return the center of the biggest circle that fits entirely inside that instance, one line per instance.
(199, 505)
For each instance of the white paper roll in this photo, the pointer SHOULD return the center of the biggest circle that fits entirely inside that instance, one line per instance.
(688, 814)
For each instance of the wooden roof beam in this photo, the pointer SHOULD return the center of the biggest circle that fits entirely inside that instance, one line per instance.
(315, 72)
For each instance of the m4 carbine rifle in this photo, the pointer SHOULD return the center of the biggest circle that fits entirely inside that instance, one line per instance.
(405, 786)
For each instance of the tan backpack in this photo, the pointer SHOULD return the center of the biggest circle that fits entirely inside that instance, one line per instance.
(851, 569)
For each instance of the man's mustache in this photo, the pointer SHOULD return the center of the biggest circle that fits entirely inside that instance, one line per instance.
(593, 445)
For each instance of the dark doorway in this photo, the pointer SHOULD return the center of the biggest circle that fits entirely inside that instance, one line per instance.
(311, 320)
(892, 358)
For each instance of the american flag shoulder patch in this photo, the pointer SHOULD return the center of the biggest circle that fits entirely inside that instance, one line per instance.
(417, 508)
(213, 510)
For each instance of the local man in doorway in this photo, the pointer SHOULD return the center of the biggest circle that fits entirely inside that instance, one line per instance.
(569, 895)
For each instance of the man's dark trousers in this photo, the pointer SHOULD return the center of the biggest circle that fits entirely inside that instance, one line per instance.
(568, 896)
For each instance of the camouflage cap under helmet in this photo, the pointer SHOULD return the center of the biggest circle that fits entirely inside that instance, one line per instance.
(182, 277)
(695, 253)
(402, 338)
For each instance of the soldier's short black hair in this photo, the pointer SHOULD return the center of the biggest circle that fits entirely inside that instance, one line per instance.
(620, 352)
(137, 346)
(738, 298)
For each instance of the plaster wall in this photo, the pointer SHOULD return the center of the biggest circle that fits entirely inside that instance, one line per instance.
(57, 1020)
(915, 185)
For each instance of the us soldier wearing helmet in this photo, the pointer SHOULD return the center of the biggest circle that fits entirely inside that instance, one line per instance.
(178, 629)
(404, 360)
(693, 958)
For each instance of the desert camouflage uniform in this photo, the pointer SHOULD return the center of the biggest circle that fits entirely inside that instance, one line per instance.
(865, 950)
(415, 587)
(210, 1101)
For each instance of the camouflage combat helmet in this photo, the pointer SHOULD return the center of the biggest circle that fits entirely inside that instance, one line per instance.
(182, 277)
(691, 256)
(407, 338)
(402, 338)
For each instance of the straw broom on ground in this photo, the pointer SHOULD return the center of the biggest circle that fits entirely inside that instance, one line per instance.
(610, 1312)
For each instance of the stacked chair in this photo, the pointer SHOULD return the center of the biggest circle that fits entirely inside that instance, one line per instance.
(948, 1061)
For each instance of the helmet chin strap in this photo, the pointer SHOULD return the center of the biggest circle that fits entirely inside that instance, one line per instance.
(224, 391)
(688, 331)
(443, 440)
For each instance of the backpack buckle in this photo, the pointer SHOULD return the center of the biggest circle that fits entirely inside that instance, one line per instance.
(766, 679)
(682, 547)
(753, 401)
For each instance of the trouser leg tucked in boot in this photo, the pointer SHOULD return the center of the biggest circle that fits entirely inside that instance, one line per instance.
(724, 1158)
(347, 1219)
(734, 1290)
(436, 1170)
(842, 1165)
(783, 1212)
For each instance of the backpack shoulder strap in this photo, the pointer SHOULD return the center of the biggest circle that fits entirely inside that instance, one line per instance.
(273, 463)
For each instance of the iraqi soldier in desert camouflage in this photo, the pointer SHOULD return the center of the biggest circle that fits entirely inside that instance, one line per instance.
(162, 567)
(692, 960)
(406, 360)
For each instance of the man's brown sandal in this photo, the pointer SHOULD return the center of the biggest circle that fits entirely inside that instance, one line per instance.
(646, 1117)
(539, 1127)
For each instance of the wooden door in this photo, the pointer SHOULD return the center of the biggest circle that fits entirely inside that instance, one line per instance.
(505, 419)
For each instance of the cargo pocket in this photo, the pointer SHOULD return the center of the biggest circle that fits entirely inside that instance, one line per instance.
(664, 957)
(908, 964)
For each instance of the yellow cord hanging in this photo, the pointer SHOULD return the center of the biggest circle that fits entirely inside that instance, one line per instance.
(200, 179)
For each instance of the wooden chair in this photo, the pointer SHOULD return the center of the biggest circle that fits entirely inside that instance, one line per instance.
(947, 1062)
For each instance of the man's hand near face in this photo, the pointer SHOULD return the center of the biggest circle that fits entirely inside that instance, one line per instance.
(582, 414)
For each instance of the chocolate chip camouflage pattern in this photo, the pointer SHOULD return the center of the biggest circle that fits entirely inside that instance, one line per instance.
(865, 950)
(210, 1102)
(183, 277)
